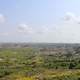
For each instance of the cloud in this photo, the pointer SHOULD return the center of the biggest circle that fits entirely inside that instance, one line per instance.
(42, 30)
(2, 18)
(8, 33)
(23, 28)
(4, 33)
(71, 17)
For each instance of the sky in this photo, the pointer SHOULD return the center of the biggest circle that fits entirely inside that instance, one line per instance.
(52, 21)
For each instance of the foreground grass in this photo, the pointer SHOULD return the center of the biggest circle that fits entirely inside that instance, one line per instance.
(47, 75)
(33, 64)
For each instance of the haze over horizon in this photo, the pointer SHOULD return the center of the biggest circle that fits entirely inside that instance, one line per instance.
(52, 21)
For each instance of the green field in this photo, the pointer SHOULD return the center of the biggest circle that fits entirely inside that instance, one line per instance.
(38, 64)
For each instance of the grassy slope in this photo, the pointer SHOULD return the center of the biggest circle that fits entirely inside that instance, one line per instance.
(28, 64)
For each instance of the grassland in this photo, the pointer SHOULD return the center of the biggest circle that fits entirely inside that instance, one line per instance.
(39, 64)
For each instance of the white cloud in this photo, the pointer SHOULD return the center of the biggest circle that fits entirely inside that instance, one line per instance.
(4, 33)
(8, 33)
(42, 30)
(63, 32)
(71, 17)
(23, 28)
(2, 18)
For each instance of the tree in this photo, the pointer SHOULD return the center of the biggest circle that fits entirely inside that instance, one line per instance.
(71, 65)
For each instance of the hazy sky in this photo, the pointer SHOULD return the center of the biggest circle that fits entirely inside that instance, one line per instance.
(40, 21)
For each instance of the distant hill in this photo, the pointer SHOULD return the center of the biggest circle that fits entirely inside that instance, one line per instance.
(38, 45)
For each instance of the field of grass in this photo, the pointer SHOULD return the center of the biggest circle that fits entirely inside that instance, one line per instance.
(37, 64)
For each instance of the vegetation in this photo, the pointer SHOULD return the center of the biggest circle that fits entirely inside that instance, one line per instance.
(40, 63)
